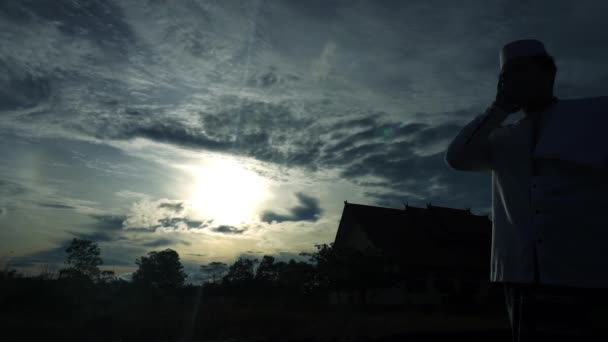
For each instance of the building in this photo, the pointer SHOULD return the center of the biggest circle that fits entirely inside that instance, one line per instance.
(440, 254)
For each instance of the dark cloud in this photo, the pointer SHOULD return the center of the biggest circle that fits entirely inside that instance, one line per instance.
(95, 236)
(177, 134)
(56, 206)
(225, 229)
(55, 255)
(28, 83)
(142, 230)
(177, 207)
(386, 48)
(196, 254)
(308, 210)
(110, 254)
(282, 256)
(10, 189)
(173, 221)
(368, 121)
(21, 91)
(264, 80)
(270, 78)
(318, 9)
(108, 222)
(403, 173)
(101, 22)
(429, 180)
(105, 228)
(165, 242)
(265, 131)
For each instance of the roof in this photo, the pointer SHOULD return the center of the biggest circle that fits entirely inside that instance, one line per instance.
(433, 236)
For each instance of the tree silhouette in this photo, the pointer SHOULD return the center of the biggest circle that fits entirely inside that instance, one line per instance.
(294, 277)
(347, 268)
(267, 270)
(240, 271)
(107, 276)
(216, 269)
(161, 270)
(82, 260)
(330, 271)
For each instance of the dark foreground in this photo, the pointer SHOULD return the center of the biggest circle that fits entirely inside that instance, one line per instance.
(52, 310)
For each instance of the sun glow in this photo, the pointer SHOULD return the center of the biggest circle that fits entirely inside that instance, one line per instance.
(227, 192)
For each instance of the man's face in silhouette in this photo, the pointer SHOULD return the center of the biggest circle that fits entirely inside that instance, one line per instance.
(528, 81)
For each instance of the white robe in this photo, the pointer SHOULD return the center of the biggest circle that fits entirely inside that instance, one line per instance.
(577, 131)
(561, 214)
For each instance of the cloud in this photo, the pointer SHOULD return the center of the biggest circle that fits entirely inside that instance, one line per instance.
(105, 26)
(279, 256)
(94, 236)
(174, 221)
(309, 210)
(147, 214)
(131, 195)
(56, 206)
(270, 78)
(225, 229)
(165, 242)
(55, 255)
(10, 189)
(162, 215)
(21, 194)
(374, 100)
(179, 206)
(128, 276)
(20, 92)
(114, 251)
(105, 228)
(196, 254)
(108, 222)
(264, 130)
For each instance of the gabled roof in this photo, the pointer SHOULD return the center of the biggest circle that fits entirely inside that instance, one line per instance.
(435, 235)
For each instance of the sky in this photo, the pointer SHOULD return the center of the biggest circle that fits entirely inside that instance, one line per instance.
(238, 128)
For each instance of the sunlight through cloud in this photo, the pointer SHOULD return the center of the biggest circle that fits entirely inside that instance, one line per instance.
(226, 191)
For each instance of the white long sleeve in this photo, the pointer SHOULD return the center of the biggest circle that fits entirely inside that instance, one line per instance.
(470, 149)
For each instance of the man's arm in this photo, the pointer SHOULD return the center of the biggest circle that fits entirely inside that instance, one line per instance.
(470, 149)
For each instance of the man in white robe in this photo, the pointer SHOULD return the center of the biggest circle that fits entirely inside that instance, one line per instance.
(549, 196)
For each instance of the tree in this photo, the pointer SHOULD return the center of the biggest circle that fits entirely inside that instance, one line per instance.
(83, 260)
(328, 269)
(216, 269)
(294, 276)
(161, 270)
(9, 274)
(240, 271)
(107, 276)
(267, 270)
(345, 268)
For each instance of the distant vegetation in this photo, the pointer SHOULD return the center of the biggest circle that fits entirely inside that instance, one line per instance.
(251, 297)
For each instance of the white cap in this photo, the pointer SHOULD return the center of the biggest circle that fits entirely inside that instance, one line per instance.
(521, 48)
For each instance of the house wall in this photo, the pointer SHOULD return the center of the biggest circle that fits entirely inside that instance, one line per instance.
(430, 289)
(357, 238)
(427, 286)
